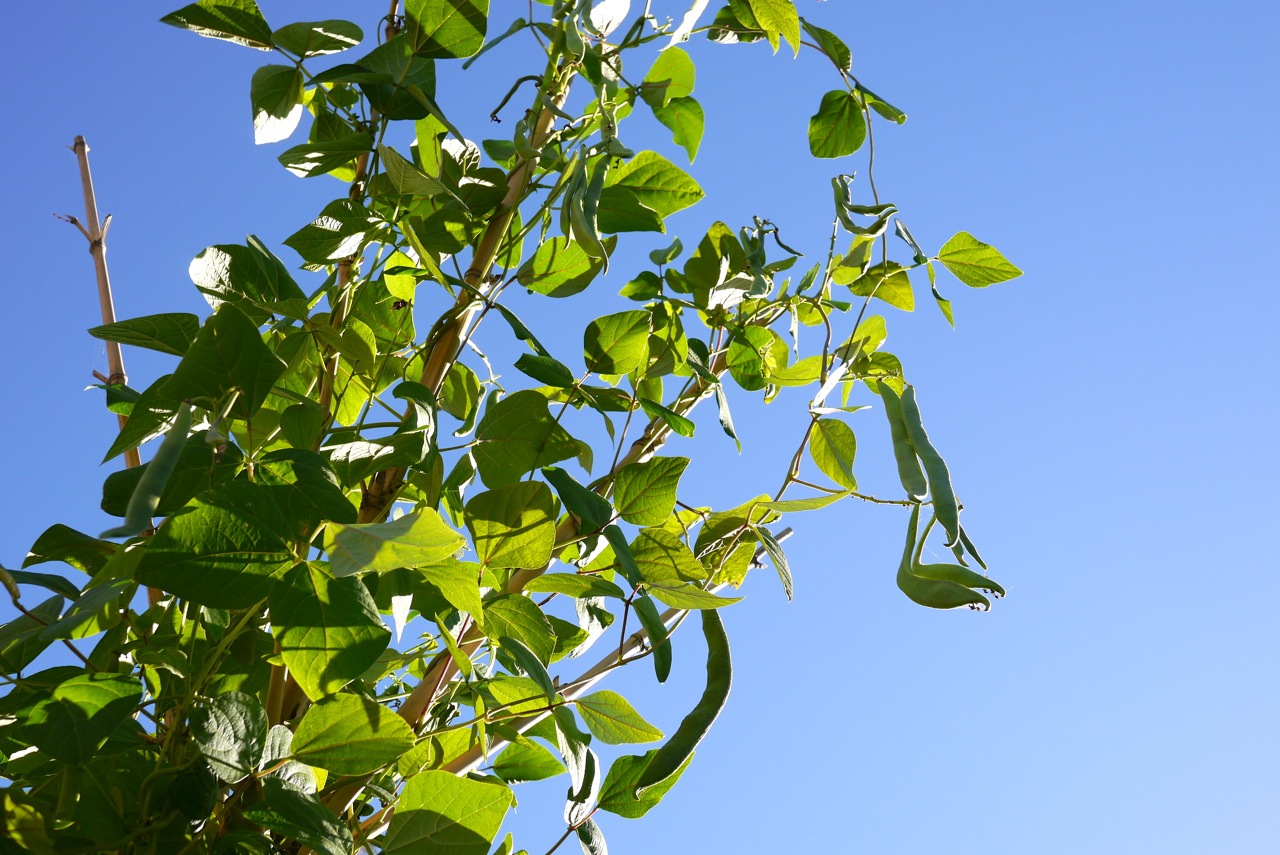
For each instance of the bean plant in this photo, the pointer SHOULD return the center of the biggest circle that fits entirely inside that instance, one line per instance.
(348, 597)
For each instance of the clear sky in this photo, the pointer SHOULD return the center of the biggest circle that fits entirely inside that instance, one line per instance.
(1108, 418)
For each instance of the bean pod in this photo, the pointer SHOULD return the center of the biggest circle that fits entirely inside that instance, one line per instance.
(146, 495)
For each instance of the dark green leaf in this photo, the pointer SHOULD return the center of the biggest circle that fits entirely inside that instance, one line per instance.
(237, 21)
(48, 581)
(670, 418)
(231, 731)
(546, 370)
(831, 45)
(199, 468)
(227, 355)
(317, 38)
(778, 557)
(169, 333)
(446, 29)
(249, 276)
(299, 816)
(594, 511)
(79, 714)
(839, 127)
(339, 232)
(276, 95)
(63, 543)
(321, 157)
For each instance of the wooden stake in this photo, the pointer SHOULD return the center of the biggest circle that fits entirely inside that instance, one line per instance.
(95, 231)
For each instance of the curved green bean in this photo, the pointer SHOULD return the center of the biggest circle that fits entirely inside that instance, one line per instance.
(943, 496)
(668, 759)
(146, 495)
(904, 452)
(939, 586)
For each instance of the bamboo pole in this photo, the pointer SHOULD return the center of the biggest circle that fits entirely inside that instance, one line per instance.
(95, 231)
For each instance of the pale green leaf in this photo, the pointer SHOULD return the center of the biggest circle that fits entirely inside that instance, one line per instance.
(645, 493)
(613, 720)
(351, 735)
(975, 263)
(513, 525)
(415, 539)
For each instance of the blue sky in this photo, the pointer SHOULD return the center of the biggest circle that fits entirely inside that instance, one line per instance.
(1108, 417)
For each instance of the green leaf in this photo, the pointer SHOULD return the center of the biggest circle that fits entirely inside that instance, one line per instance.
(322, 157)
(48, 581)
(645, 493)
(560, 268)
(574, 585)
(351, 735)
(415, 539)
(686, 120)
(593, 510)
(687, 596)
(513, 525)
(339, 232)
(613, 720)
(831, 45)
(78, 714)
(22, 639)
(168, 333)
(754, 353)
(296, 815)
(231, 731)
(237, 21)
(617, 795)
(886, 281)
(663, 558)
(199, 468)
(526, 761)
(671, 76)
(546, 370)
(881, 106)
(355, 461)
(440, 812)
(810, 504)
(670, 418)
(224, 550)
(975, 263)
(516, 616)
(779, 559)
(408, 179)
(446, 29)
(517, 435)
(617, 344)
(839, 127)
(276, 95)
(457, 583)
(328, 629)
(62, 543)
(228, 354)
(778, 17)
(657, 182)
(620, 210)
(249, 276)
(306, 39)
(832, 446)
